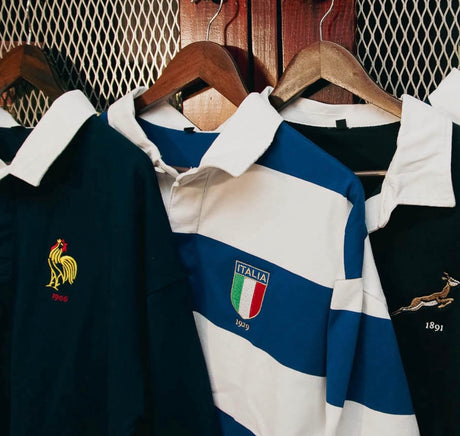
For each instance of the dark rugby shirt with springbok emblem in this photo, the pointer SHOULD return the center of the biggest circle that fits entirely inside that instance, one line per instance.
(97, 332)
(414, 227)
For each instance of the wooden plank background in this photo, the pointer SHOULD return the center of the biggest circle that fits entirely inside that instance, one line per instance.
(263, 36)
(230, 29)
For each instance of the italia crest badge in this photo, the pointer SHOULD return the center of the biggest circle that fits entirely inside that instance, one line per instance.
(248, 289)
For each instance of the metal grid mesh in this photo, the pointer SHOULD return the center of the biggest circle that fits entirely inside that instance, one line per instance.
(106, 47)
(408, 46)
(103, 47)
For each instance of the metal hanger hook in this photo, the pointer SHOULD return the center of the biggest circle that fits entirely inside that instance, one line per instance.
(322, 20)
(29, 27)
(213, 18)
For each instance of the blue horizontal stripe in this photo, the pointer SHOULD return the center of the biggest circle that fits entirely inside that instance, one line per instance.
(292, 323)
(294, 154)
(377, 378)
(342, 338)
(177, 147)
(230, 427)
(355, 234)
(290, 153)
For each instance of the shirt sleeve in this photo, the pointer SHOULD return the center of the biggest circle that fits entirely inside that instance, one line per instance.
(367, 391)
(180, 400)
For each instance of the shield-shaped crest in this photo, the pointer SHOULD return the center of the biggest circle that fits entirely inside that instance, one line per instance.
(248, 289)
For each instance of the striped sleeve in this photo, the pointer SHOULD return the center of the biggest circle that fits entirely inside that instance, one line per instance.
(367, 391)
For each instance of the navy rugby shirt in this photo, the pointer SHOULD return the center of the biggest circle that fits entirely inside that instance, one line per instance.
(414, 232)
(97, 334)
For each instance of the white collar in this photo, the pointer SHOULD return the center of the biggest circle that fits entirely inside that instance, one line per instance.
(49, 138)
(420, 171)
(6, 120)
(244, 137)
(446, 97)
(314, 113)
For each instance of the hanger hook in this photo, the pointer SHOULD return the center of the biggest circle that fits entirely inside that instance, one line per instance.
(29, 27)
(322, 20)
(213, 18)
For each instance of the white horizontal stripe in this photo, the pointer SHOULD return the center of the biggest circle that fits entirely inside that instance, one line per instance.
(246, 297)
(292, 223)
(6, 120)
(264, 396)
(358, 420)
(348, 295)
(374, 303)
(374, 307)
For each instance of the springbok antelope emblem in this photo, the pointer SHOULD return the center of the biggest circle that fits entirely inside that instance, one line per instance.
(435, 299)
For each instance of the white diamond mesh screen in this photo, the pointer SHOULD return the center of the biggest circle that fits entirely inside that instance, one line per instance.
(408, 46)
(106, 47)
(103, 47)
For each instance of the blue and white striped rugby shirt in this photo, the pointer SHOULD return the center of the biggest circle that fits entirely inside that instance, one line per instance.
(271, 230)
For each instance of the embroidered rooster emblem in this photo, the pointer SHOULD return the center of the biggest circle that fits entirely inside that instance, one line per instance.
(63, 268)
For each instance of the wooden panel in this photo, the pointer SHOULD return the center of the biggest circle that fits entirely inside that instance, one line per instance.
(209, 109)
(300, 27)
(264, 20)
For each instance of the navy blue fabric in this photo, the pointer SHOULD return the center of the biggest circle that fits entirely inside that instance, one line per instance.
(232, 428)
(117, 351)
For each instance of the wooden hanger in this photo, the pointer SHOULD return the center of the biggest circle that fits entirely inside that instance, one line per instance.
(29, 63)
(334, 63)
(203, 60)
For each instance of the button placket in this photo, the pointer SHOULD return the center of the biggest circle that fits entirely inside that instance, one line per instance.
(185, 201)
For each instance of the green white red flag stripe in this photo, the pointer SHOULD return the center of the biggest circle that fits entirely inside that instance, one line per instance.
(247, 293)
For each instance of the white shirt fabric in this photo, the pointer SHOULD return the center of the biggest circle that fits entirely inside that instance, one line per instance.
(445, 97)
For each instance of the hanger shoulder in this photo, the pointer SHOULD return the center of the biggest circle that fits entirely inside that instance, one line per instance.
(10, 68)
(203, 60)
(340, 67)
(303, 70)
(37, 70)
(334, 63)
(29, 63)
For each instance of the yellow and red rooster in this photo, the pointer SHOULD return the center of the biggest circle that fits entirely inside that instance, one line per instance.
(63, 268)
